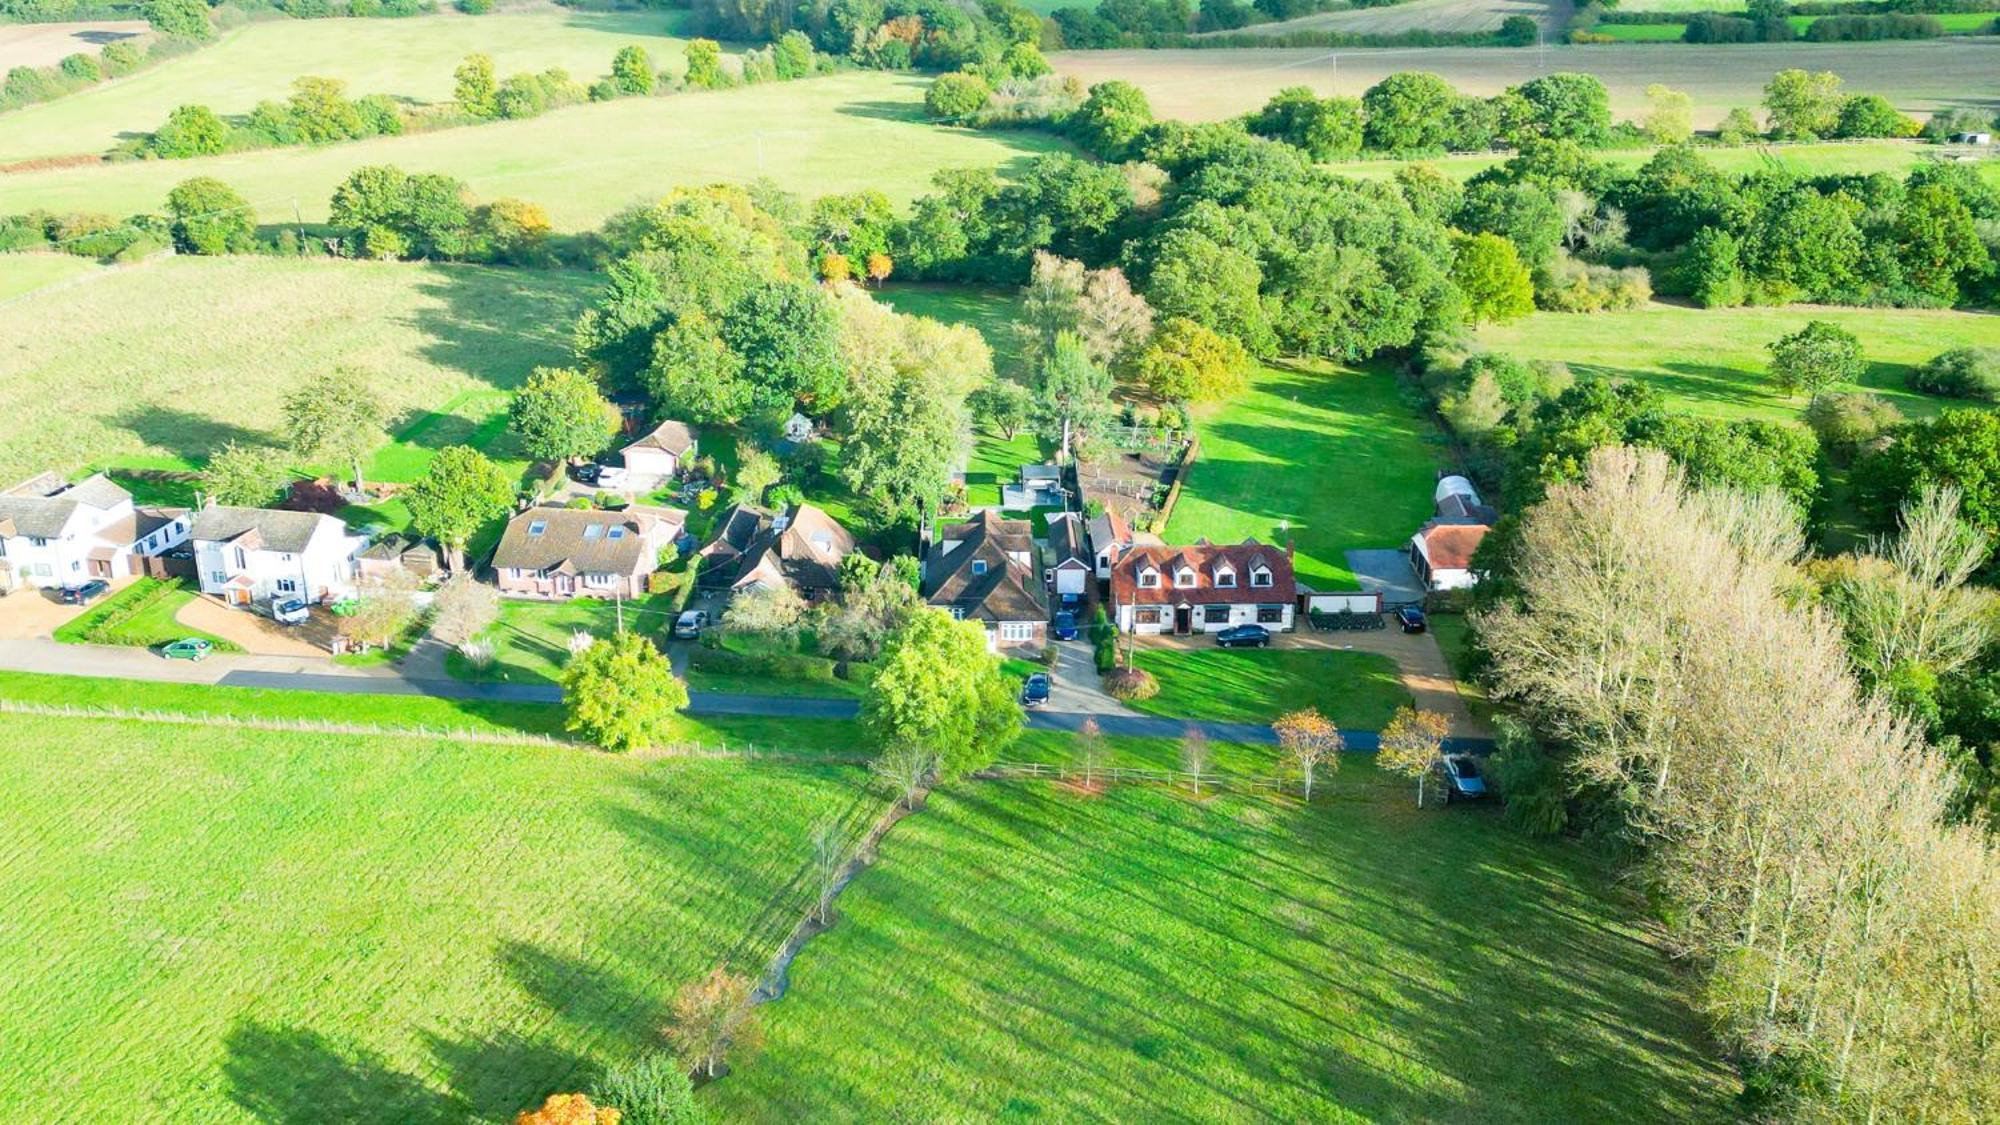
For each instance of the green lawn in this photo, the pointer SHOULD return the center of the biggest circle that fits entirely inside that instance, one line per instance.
(140, 615)
(1332, 458)
(531, 640)
(1059, 748)
(474, 418)
(1713, 361)
(231, 925)
(1357, 690)
(1641, 32)
(749, 683)
(993, 311)
(1021, 951)
(163, 362)
(838, 133)
(997, 461)
(406, 58)
(23, 273)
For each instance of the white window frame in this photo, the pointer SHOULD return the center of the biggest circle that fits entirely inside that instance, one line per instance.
(1261, 577)
(1149, 579)
(1017, 631)
(1184, 578)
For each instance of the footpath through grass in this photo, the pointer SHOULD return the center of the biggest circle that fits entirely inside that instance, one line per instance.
(1023, 951)
(161, 363)
(1357, 690)
(273, 926)
(1715, 362)
(1330, 458)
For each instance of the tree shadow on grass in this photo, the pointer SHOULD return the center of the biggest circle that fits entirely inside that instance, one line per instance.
(497, 1076)
(192, 437)
(296, 1076)
(497, 324)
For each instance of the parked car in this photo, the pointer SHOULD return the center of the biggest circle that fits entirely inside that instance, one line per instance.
(688, 626)
(191, 648)
(85, 594)
(1035, 692)
(1064, 628)
(1244, 636)
(1071, 602)
(1462, 780)
(291, 611)
(1412, 619)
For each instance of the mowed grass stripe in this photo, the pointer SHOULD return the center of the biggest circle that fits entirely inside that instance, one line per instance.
(250, 924)
(1021, 950)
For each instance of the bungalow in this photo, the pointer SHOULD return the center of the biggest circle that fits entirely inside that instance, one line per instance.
(1441, 551)
(986, 570)
(1071, 566)
(588, 552)
(1204, 588)
(54, 533)
(246, 555)
(658, 457)
(801, 548)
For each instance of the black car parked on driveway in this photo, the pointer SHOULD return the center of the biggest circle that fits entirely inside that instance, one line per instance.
(1411, 618)
(1244, 636)
(85, 594)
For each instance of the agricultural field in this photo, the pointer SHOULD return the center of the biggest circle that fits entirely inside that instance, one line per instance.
(1329, 458)
(285, 926)
(22, 274)
(1917, 76)
(1022, 950)
(44, 44)
(164, 361)
(1713, 361)
(1422, 15)
(1357, 690)
(812, 137)
(408, 59)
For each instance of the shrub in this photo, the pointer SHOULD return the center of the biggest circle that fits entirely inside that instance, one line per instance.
(1130, 684)
(119, 59)
(651, 1090)
(191, 130)
(1845, 420)
(475, 7)
(1960, 373)
(83, 68)
(1573, 286)
(955, 96)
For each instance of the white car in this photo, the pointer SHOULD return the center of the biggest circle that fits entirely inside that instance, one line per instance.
(291, 612)
(690, 624)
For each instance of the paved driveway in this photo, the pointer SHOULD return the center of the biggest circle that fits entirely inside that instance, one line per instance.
(252, 632)
(1076, 689)
(33, 613)
(1387, 572)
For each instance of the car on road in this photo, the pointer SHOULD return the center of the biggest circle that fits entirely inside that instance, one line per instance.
(1064, 628)
(1035, 692)
(1462, 779)
(1412, 619)
(291, 611)
(1244, 636)
(85, 594)
(189, 648)
(688, 626)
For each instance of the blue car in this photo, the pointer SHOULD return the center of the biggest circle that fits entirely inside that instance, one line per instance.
(1064, 628)
(1411, 618)
(1035, 690)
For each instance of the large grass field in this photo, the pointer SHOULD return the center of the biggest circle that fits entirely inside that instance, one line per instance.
(221, 925)
(844, 132)
(1421, 15)
(1714, 361)
(158, 364)
(409, 59)
(1021, 951)
(22, 274)
(1918, 76)
(1330, 458)
(1357, 690)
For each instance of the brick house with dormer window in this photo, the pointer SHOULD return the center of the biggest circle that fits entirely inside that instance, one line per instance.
(1204, 588)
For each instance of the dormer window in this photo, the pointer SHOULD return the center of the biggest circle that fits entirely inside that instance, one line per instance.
(1260, 577)
(1225, 578)
(1149, 579)
(1184, 578)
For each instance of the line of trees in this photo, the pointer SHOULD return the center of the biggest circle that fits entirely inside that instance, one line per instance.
(1793, 826)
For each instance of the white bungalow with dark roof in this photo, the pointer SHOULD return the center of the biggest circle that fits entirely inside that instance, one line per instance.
(249, 555)
(1204, 588)
(54, 533)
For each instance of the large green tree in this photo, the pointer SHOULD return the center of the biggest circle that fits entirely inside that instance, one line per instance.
(937, 687)
(210, 218)
(336, 416)
(1959, 449)
(560, 414)
(1326, 128)
(1073, 398)
(1488, 270)
(786, 333)
(1189, 363)
(621, 694)
(1409, 111)
(190, 130)
(1815, 357)
(457, 494)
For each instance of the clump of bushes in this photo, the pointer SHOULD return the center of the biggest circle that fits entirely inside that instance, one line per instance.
(30, 85)
(1960, 373)
(1847, 420)
(1130, 685)
(1569, 285)
(86, 234)
(318, 112)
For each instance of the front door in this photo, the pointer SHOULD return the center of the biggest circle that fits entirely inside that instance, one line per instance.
(565, 585)
(1183, 621)
(239, 595)
(100, 568)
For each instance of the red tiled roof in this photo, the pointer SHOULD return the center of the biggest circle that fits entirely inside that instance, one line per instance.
(1204, 559)
(1449, 546)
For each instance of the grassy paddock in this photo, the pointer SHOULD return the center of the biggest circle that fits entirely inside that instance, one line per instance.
(286, 927)
(1331, 458)
(23, 274)
(839, 133)
(1024, 951)
(405, 58)
(1357, 690)
(1714, 361)
(163, 362)
(1918, 76)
